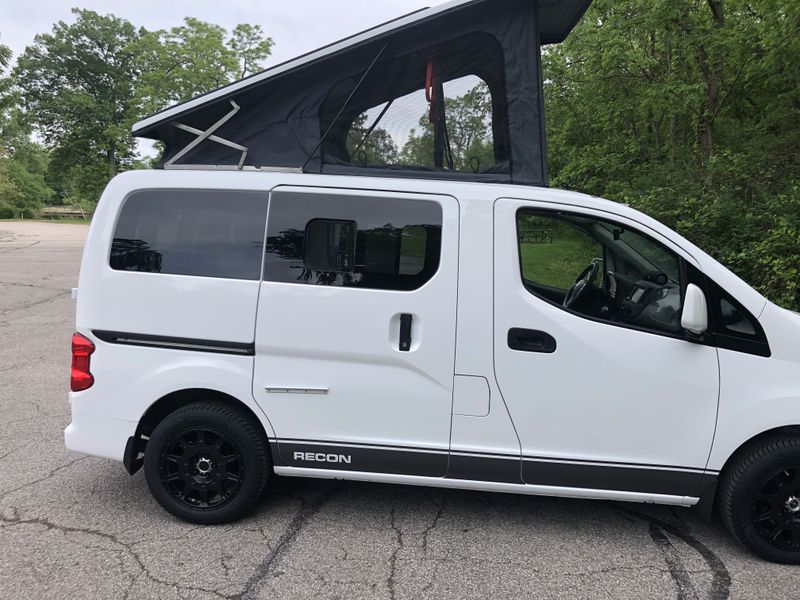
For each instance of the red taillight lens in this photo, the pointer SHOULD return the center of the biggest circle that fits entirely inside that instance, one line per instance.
(82, 349)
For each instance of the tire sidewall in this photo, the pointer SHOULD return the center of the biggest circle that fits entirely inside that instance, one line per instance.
(253, 458)
(749, 484)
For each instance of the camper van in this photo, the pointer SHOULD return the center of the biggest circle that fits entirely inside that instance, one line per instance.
(310, 287)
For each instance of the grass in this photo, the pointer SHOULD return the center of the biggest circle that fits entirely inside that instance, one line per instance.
(559, 263)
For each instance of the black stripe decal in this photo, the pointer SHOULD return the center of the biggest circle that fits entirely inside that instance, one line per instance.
(173, 343)
(484, 468)
(650, 479)
(370, 460)
(365, 445)
(610, 464)
(604, 477)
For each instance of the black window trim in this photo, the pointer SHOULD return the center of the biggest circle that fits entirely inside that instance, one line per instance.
(267, 194)
(757, 344)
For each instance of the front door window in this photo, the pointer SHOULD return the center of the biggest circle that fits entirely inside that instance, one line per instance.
(601, 270)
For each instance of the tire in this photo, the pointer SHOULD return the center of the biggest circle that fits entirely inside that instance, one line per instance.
(207, 463)
(759, 499)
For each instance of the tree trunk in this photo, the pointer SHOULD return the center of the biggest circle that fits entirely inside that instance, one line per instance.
(111, 156)
(712, 74)
(673, 138)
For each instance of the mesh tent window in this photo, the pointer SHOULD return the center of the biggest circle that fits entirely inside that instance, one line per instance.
(444, 106)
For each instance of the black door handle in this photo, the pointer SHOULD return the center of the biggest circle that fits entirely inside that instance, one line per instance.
(405, 333)
(529, 340)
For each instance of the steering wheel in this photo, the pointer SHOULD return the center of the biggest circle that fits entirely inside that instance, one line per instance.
(584, 281)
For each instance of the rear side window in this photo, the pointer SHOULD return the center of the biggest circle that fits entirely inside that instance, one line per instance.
(187, 232)
(352, 241)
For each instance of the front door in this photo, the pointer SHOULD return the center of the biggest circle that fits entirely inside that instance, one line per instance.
(606, 390)
(355, 338)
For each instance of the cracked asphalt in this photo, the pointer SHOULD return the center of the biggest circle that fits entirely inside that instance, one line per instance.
(80, 527)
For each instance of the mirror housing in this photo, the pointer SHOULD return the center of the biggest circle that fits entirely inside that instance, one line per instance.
(695, 311)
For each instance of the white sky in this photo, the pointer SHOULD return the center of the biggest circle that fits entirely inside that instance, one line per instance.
(297, 26)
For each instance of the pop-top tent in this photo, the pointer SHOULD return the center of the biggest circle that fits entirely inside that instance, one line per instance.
(453, 91)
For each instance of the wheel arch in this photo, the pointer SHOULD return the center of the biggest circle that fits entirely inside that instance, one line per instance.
(708, 495)
(134, 449)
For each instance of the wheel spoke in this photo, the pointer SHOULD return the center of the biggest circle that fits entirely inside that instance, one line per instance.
(776, 534)
(224, 479)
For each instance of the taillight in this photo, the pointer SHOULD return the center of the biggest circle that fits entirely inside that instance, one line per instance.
(82, 349)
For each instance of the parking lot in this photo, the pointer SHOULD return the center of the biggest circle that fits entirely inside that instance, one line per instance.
(79, 527)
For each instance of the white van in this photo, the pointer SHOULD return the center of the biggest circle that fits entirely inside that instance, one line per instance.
(236, 325)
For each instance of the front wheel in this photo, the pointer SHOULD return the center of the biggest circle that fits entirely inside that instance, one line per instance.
(207, 463)
(759, 499)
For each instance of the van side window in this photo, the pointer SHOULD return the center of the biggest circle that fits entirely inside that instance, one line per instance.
(352, 241)
(734, 321)
(199, 233)
(734, 327)
(601, 270)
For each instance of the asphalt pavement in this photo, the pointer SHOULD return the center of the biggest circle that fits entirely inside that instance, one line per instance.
(73, 526)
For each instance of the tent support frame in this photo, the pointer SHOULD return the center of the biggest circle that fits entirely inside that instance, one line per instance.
(208, 134)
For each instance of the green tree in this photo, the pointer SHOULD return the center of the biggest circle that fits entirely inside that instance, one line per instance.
(468, 128)
(194, 58)
(5, 82)
(689, 110)
(377, 149)
(78, 86)
(8, 100)
(250, 46)
(82, 86)
(23, 164)
(182, 62)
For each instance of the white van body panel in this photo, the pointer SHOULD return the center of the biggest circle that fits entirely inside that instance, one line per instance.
(478, 297)
(345, 342)
(147, 303)
(608, 394)
(759, 394)
(473, 431)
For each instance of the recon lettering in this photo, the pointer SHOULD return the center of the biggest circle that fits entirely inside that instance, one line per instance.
(320, 457)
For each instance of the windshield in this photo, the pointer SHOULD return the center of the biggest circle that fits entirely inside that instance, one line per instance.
(648, 251)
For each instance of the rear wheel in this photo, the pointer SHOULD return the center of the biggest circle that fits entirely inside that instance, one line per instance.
(759, 499)
(207, 463)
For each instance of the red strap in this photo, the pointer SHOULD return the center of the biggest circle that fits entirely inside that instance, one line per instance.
(430, 90)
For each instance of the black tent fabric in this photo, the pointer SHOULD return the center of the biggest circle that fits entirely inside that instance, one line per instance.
(312, 113)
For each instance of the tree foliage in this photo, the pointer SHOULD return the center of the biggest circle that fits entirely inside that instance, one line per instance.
(468, 118)
(250, 47)
(690, 111)
(81, 87)
(367, 147)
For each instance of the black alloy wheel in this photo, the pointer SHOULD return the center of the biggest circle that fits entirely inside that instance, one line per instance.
(202, 469)
(208, 462)
(776, 510)
(759, 497)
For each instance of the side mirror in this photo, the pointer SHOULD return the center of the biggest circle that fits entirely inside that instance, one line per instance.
(695, 311)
